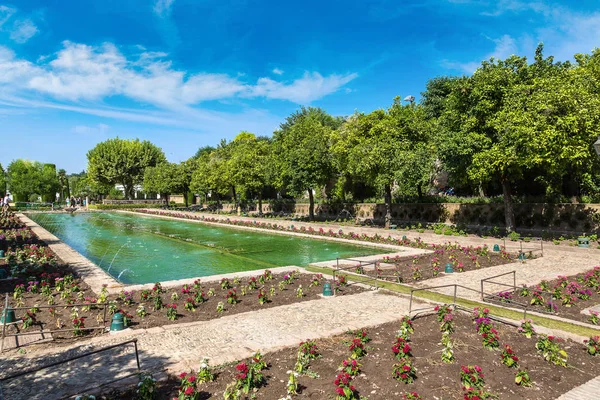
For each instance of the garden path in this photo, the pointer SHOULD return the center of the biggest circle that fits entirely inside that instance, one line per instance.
(588, 391)
(181, 347)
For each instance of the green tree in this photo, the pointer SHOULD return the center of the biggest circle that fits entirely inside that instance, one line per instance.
(165, 179)
(250, 164)
(301, 149)
(121, 161)
(24, 179)
(2, 181)
(49, 184)
(63, 182)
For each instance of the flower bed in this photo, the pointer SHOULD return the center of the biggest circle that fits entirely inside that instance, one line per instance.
(563, 296)
(159, 306)
(427, 266)
(402, 364)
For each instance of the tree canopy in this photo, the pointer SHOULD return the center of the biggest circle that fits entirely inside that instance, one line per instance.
(121, 161)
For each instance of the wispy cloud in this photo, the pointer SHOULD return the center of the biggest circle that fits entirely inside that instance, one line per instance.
(163, 8)
(89, 130)
(501, 7)
(505, 46)
(80, 72)
(23, 30)
(277, 71)
(5, 14)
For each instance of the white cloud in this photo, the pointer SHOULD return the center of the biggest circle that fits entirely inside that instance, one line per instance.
(163, 8)
(278, 71)
(311, 87)
(87, 130)
(23, 30)
(80, 72)
(516, 6)
(5, 14)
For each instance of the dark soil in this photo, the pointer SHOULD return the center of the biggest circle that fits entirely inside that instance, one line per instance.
(435, 379)
(203, 311)
(428, 266)
(558, 308)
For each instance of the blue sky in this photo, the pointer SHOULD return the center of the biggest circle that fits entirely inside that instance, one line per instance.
(187, 73)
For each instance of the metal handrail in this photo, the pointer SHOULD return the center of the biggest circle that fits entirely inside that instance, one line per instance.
(89, 353)
(514, 274)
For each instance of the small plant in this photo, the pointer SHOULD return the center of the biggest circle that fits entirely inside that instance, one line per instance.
(288, 279)
(447, 325)
(253, 283)
(225, 284)
(232, 297)
(509, 358)
(172, 312)
(447, 351)
(188, 389)
(146, 388)
(406, 328)
(411, 396)
(357, 347)
(204, 372)
(199, 297)
(211, 292)
(292, 384)
(593, 345)
(490, 340)
(341, 281)
(549, 348)
(404, 371)
(157, 301)
(594, 317)
(190, 305)
(299, 292)
(471, 377)
(316, 280)
(524, 291)
(522, 378)
(103, 294)
(175, 296)
(28, 319)
(344, 388)
(220, 307)
(401, 349)
(141, 311)
(78, 326)
(350, 366)
(526, 328)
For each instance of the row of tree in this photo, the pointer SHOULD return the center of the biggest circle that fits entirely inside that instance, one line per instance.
(511, 127)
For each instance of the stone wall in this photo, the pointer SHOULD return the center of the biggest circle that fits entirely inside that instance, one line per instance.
(534, 216)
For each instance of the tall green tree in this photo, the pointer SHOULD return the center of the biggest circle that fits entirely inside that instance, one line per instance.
(301, 149)
(24, 179)
(250, 164)
(49, 183)
(511, 117)
(2, 180)
(63, 182)
(121, 161)
(165, 179)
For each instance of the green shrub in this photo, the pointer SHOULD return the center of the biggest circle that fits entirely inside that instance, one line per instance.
(122, 206)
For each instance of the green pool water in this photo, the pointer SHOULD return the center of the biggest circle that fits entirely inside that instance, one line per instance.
(139, 249)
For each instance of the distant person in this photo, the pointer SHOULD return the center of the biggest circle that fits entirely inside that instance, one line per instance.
(5, 202)
(73, 202)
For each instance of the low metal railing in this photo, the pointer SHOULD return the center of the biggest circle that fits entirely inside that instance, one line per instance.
(83, 355)
(48, 332)
(365, 279)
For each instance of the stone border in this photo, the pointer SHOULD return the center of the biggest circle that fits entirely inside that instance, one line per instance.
(89, 272)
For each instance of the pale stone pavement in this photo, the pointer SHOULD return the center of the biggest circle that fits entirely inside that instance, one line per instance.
(181, 347)
(588, 391)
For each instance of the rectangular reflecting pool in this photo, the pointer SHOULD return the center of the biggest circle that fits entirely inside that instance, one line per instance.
(140, 249)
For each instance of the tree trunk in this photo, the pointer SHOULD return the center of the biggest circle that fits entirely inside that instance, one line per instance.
(420, 193)
(128, 189)
(311, 205)
(185, 198)
(388, 205)
(509, 212)
(260, 213)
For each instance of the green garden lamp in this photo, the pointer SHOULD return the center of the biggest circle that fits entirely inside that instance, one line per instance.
(496, 248)
(117, 323)
(327, 289)
(1, 253)
(449, 269)
(8, 316)
(522, 256)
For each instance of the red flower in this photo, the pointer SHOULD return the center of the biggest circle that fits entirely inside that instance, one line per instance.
(189, 390)
(192, 379)
(183, 375)
(340, 391)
